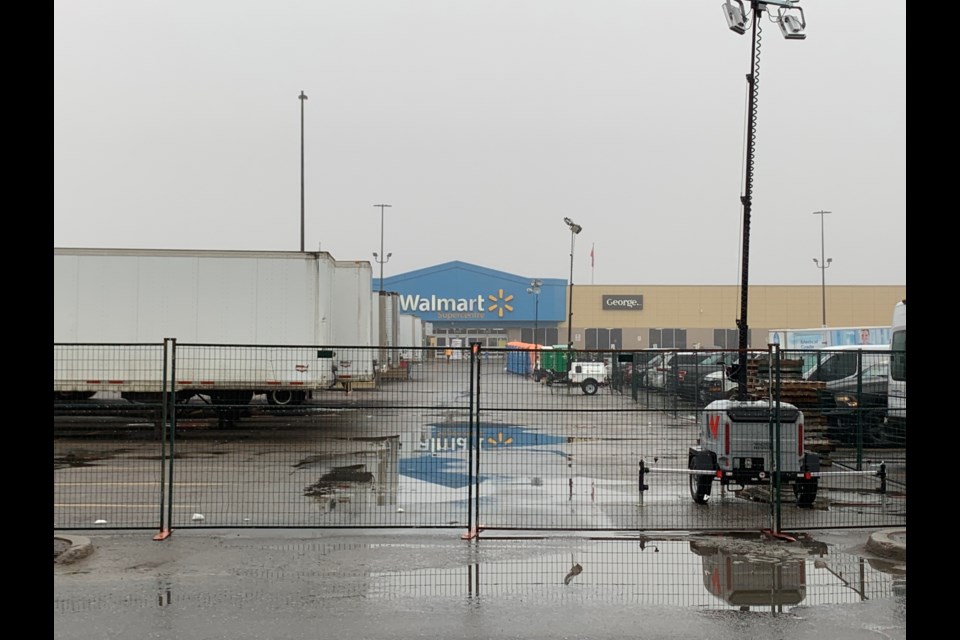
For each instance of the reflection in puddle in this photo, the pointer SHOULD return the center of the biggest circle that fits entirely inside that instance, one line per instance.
(705, 574)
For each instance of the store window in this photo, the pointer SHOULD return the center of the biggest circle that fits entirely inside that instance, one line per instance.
(668, 338)
(728, 338)
(603, 339)
(547, 336)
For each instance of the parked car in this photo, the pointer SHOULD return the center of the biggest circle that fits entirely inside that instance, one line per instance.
(688, 368)
(653, 375)
(857, 402)
(634, 370)
(716, 385)
(688, 381)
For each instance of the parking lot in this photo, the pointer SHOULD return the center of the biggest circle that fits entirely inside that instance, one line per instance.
(429, 452)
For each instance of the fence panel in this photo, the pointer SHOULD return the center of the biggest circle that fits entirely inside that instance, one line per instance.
(361, 451)
(553, 456)
(314, 436)
(107, 449)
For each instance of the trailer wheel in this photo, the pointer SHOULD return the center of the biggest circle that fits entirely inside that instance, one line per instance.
(589, 386)
(285, 397)
(805, 492)
(700, 488)
(701, 485)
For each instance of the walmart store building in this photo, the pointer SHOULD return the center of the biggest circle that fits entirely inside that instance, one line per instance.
(475, 303)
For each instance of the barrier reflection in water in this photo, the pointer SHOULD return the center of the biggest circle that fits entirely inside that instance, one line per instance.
(710, 573)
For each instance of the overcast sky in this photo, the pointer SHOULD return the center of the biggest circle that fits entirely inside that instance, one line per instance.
(177, 125)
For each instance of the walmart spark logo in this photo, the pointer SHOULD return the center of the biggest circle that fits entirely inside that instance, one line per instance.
(499, 303)
(499, 441)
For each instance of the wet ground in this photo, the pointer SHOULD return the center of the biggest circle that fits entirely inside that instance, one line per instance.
(550, 459)
(415, 584)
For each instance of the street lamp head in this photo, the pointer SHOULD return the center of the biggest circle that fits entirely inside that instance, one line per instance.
(377, 255)
(389, 255)
(574, 227)
(829, 260)
(815, 261)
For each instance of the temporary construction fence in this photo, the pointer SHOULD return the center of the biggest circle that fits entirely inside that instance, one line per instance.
(174, 435)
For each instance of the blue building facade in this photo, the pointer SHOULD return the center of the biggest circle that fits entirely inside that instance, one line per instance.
(472, 302)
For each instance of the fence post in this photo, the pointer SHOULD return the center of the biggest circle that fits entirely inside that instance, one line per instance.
(473, 499)
(773, 357)
(641, 476)
(168, 422)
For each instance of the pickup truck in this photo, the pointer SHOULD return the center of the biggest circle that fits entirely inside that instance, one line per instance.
(716, 386)
(856, 406)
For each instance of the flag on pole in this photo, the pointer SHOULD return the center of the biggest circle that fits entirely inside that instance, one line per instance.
(591, 255)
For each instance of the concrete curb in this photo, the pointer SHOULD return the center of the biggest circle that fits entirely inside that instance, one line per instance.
(889, 543)
(80, 547)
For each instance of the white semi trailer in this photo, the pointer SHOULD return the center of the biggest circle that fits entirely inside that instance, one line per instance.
(386, 328)
(411, 337)
(284, 324)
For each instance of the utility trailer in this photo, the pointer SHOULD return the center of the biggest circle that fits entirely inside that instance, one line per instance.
(589, 376)
(737, 447)
(243, 322)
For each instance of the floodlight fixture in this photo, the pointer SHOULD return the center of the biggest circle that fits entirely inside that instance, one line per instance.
(736, 16)
(790, 25)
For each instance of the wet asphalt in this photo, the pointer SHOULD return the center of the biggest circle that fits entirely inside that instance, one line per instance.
(278, 584)
(390, 584)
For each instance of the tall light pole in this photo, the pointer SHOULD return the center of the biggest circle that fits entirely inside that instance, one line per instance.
(792, 23)
(822, 264)
(380, 258)
(574, 230)
(303, 99)
(534, 289)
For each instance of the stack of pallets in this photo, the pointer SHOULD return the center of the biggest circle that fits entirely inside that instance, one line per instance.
(794, 390)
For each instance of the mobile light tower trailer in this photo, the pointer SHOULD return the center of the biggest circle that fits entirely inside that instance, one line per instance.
(740, 443)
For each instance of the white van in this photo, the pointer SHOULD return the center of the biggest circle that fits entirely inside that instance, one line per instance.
(843, 363)
(897, 386)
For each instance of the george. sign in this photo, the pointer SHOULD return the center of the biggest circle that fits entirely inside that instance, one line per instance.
(623, 303)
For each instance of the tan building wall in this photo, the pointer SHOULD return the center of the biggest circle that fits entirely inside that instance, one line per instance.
(701, 309)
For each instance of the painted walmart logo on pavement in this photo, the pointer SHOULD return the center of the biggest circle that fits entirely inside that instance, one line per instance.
(500, 440)
(499, 303)
(449, 468)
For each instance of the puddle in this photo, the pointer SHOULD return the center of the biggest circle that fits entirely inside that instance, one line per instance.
(728, 575)
(703, 573)
(85, 458)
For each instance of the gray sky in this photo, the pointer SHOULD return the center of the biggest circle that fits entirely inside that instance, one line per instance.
(483, 124)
